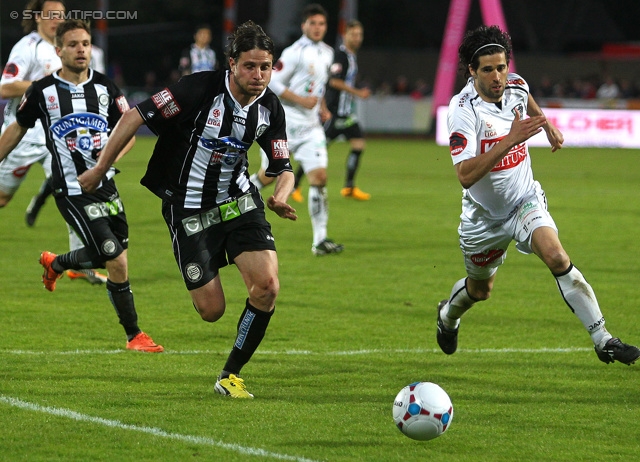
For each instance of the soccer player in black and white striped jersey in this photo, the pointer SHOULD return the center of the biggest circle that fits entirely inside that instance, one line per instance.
(78, 107)
(206, 124)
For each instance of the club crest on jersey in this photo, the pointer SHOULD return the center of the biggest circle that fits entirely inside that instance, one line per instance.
(518, 111)
(260, 130)
(103, 99)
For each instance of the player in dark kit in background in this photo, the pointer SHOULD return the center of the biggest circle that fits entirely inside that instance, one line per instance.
(206, 124)
(340, 100)
(501, 201)
(78, 106)
(199, 56)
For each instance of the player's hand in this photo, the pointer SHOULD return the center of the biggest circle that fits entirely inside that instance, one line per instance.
(282, 209)
(309, 102)
(364, 93)
(523, 129)
(325, 115)
(89, 180)
(555, 137)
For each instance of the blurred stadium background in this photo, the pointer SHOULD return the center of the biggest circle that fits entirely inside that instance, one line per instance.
(571, 45)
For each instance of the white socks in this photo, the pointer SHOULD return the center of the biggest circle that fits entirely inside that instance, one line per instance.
(459, 303)
(581, 299)
(319, 212)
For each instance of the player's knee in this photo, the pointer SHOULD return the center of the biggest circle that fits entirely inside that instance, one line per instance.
(480, 292)
(264, 293)
(210, 312)
(4, 200)
(557, 261)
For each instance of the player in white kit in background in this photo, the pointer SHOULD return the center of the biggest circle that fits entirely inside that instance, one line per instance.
(299, 79)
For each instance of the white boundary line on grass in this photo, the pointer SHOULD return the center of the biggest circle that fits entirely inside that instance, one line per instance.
(242, 450)
(313, 353)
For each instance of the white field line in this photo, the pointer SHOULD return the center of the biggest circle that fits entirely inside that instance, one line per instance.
(66, 413)
(313, 353)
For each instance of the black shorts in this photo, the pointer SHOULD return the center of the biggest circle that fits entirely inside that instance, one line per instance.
(346, 126)
(201, 251)
(101, 225)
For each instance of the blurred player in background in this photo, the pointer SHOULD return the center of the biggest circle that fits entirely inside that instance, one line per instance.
(206, 124)
(340, 98)
(299, 79)
(97, 60)
(199, 57)
(32, 58)
(78, 107)
(501, 201)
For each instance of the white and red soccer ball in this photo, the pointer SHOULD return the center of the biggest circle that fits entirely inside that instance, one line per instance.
(422, 411)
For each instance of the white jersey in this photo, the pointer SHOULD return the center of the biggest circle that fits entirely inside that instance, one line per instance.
(303, 68)
(475, 126)
(30, 59)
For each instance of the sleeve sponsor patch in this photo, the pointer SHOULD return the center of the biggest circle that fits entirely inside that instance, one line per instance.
(335, 69)
(123, 106)
(166, 103)
(280, 149)
(10, 70)
(457, 143)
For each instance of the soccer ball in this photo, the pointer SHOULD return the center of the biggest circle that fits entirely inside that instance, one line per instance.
(422, 411)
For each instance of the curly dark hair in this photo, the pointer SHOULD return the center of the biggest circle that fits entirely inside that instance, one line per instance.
(485, 40)
(249, 36)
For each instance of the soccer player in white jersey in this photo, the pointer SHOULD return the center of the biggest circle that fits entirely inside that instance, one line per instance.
(300, 77)
(501, 201)
(33, 57)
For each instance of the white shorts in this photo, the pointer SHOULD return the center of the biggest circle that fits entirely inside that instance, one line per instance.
(14, 168)
(484, 242)
(308, 145)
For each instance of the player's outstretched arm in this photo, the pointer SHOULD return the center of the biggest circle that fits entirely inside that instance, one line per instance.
(278, 202)
(119, 140)
(554, 135)
(10, 138)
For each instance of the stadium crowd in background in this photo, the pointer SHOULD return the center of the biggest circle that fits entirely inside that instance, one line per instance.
(75, 143)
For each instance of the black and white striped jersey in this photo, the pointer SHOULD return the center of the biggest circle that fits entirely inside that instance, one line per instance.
(77, 121)
(200, 159)
(345, 67)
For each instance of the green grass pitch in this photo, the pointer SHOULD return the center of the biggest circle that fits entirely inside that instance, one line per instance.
(349, 331)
